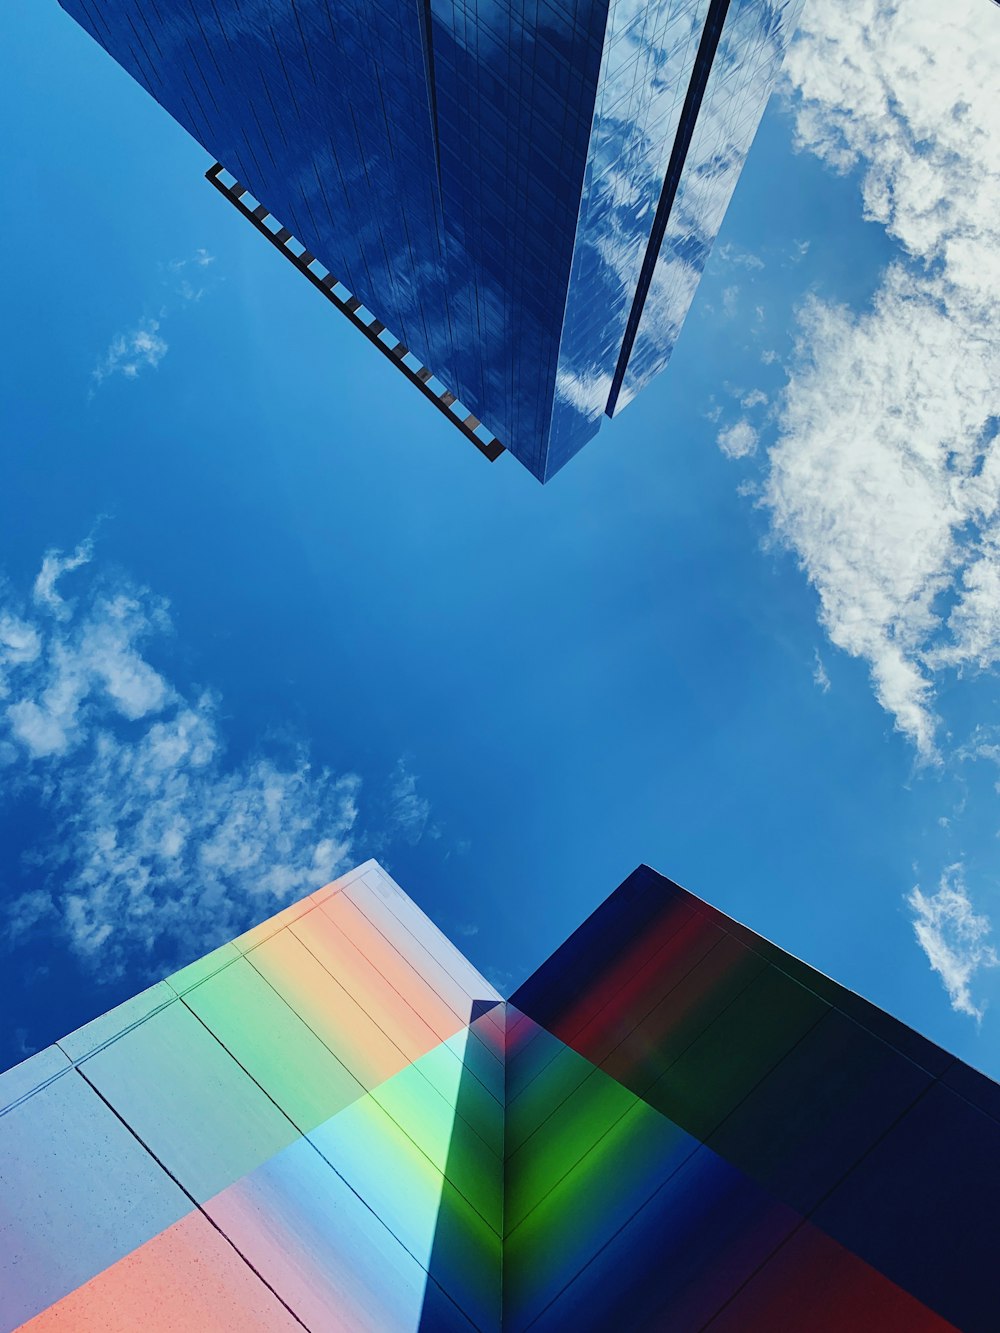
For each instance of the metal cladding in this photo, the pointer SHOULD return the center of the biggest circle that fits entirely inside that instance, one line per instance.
(524, 195)
(747, 1146)
(335, 1123)
(297, 1130)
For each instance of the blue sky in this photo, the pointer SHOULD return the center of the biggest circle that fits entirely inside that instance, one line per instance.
(289, 619)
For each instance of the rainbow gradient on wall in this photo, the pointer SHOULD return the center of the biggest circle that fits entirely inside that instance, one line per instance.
(336, 1123)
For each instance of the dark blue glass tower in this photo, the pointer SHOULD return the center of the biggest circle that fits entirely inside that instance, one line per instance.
(524, 193)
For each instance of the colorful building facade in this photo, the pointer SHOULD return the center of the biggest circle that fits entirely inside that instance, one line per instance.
(336, 1123)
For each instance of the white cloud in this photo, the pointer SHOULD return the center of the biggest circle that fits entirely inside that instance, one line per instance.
(625, 176)
(129, 353)
(158, 844)
(984, 743)
(408, 810)
(886, 475)
(200, 259)
(732, 254)
(173, 844)
(755, 398)
(954, 938)
(738, 440)
(107, 651)
(820, 679)
(587, 391)
(144, 347)
(24, 914)
(92, 661)
(54, 566)
(19, 641)
(180, 269)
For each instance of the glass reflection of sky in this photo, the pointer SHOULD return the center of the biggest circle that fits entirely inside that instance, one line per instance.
(751, 50)
(482, 174)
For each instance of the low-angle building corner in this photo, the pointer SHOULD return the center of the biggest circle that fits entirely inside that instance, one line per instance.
(518, 201)
(336, 1123)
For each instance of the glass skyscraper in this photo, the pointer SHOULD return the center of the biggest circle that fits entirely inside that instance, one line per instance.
(336, 1123)
(523, 194)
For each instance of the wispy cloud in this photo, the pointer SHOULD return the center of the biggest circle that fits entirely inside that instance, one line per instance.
(732, 254)
(885, 479)
(143, 347)
(820, 679)
(54, 566)
(500, 979)
(954, 937)
(408, 810)
(188, 276)
(730, 301)
(128, 354)
(159, 845)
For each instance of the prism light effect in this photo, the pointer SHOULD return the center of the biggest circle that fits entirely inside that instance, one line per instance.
(289, 1124)
(335, 1123)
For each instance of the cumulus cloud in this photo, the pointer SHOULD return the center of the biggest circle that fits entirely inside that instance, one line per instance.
(159, 845)
(885, 479)
(954, 938)
(738, 440)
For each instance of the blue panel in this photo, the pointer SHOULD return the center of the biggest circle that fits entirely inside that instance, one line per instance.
(921, 1207)
(671, 1266)
(827, 1102)
(516, 84)
(322, 110)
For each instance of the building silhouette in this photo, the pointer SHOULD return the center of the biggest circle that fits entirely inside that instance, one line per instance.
(336, 1123)
(514, 201)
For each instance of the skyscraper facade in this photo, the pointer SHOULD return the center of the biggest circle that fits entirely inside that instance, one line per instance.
(336, 1123)
(524, 194)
